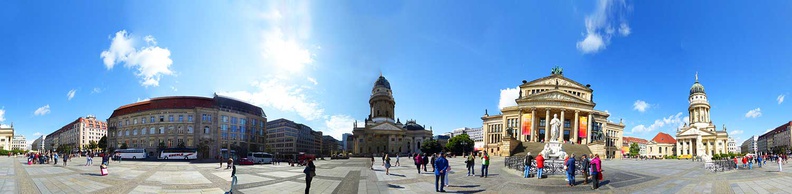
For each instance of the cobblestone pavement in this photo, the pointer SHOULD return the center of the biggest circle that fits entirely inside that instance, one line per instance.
(354, 176)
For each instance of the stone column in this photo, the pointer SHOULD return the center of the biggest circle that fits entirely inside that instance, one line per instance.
(534, 130)
(563, 127)
(588, 130)
(574, 133)
(519, 126)
(547, 125)
(679, 146)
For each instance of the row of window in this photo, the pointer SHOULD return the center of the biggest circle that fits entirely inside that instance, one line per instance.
(153, 130)
(152, 143)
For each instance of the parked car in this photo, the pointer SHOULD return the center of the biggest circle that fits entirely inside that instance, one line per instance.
(246, 161)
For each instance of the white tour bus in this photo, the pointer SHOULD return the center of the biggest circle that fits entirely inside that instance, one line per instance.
(260, 157)
(179, 153)
(132, 153)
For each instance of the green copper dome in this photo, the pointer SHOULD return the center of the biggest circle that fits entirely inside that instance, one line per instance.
(697, 88)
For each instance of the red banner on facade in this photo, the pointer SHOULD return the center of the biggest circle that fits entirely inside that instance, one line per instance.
(526, 124)
(583, 127)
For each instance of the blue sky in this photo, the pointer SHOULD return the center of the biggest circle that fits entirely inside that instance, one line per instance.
(447, 61)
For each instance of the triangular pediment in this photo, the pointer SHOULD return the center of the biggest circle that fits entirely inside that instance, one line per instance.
(694, 131)
(553, 79)
(386, 126)
(556, 96)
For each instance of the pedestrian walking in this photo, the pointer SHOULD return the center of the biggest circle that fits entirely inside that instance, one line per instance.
(230, 163)
(759, 161)
(418, 162)
(397, 160)
(736, 165)
(372, 161)
(55, 157)
(221, 161)
(471, 164)
(750, 163)
(539, 165)
(434, 158)
(310, 172)
(570, 170)
(106, 159)
(779, 165)
(447, 172)
(485, 164)
(527, 165)
(596, 171)
(383, 158)
(745, 162)
(566, 158)
(65, 159)
(584, 163)
(425, 161)
(387, 164)
(233, 179)
(440, 170)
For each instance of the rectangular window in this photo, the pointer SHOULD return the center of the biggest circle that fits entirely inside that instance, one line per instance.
(242, 121)
(126, 122)
(170, 118)
(541, 122)
(225, 119)
(134, 122)
(151, 130)
(181, 118)
(233, 120)
(234, 128)
(162, 118)
(189, 118)
(567, 124)
(162, 130)
(143, 120)
(224, 128)
(225, 136)
(152, 119)
(206, 130)
(190, 129)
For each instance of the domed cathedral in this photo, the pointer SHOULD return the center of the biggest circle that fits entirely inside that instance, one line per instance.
(527, 125)
(381, 133)
(700, 137)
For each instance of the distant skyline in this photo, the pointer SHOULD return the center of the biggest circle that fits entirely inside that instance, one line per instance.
(316, 62)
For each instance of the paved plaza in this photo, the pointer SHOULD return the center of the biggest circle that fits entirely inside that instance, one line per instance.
(354, 176)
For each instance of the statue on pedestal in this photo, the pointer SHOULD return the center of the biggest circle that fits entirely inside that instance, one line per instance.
(555, 125)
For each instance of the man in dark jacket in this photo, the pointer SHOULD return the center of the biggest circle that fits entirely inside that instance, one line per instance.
(570, 170)
(425, 161)
(434, 157)
(584, 163)
(527, 164)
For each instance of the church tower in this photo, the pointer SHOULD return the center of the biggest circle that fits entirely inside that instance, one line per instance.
(699, 108)
(381, 102)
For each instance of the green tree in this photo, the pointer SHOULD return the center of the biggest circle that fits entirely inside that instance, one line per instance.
(103, 143)
(431, 146)
(459, 144)
(161, 146)
(124, 146)
(634, 149)
(92, 145)
(181, 145)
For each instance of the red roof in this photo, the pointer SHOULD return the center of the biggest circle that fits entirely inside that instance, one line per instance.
(171, 102)
(664, 138)
(629, 140)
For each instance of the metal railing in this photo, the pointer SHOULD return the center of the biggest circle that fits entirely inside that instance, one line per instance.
(551, 167)
(720, 165)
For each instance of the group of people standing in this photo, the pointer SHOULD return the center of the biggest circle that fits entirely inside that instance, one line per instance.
(592, 168)
(748, 161)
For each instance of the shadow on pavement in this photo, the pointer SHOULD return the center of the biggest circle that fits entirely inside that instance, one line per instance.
(474, 191)
(603, 183)
(92, 174)
(467, 186)
(395, 186)
(398, 175)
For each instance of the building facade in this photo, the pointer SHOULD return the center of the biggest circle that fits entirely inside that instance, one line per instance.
(330, 145)
(19, 143)
(345, 145)
(6, 137)
(77, 135)
(37, 144)
(777, 140)
(700, 137)
(662, 145)
(206, 124)
(541, 100)
(476, 134)
(732, 145)
(749, 146)
(285, 137)
(642, 145)
(382, 132)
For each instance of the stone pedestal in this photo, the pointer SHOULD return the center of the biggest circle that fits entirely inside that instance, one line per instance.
(553, 150)
(508, 145)
(598, 148)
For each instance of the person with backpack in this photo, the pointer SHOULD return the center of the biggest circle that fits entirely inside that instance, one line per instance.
(471, 164)
(527, 163)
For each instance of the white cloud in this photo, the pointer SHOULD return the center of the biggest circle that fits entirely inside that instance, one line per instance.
(674, 121)
(151, 61)
(2, 114)
(281, 47)
(312, 80)
(174, 88)
(278, 94)
(37, 135)
(780, 98)
(507, 97)
(338, 125)
(70, 95)
(754, 113)
(600, 25)
(736, 132)
(624, 29)
(640, 106)
(96, 91)
(42, 110)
